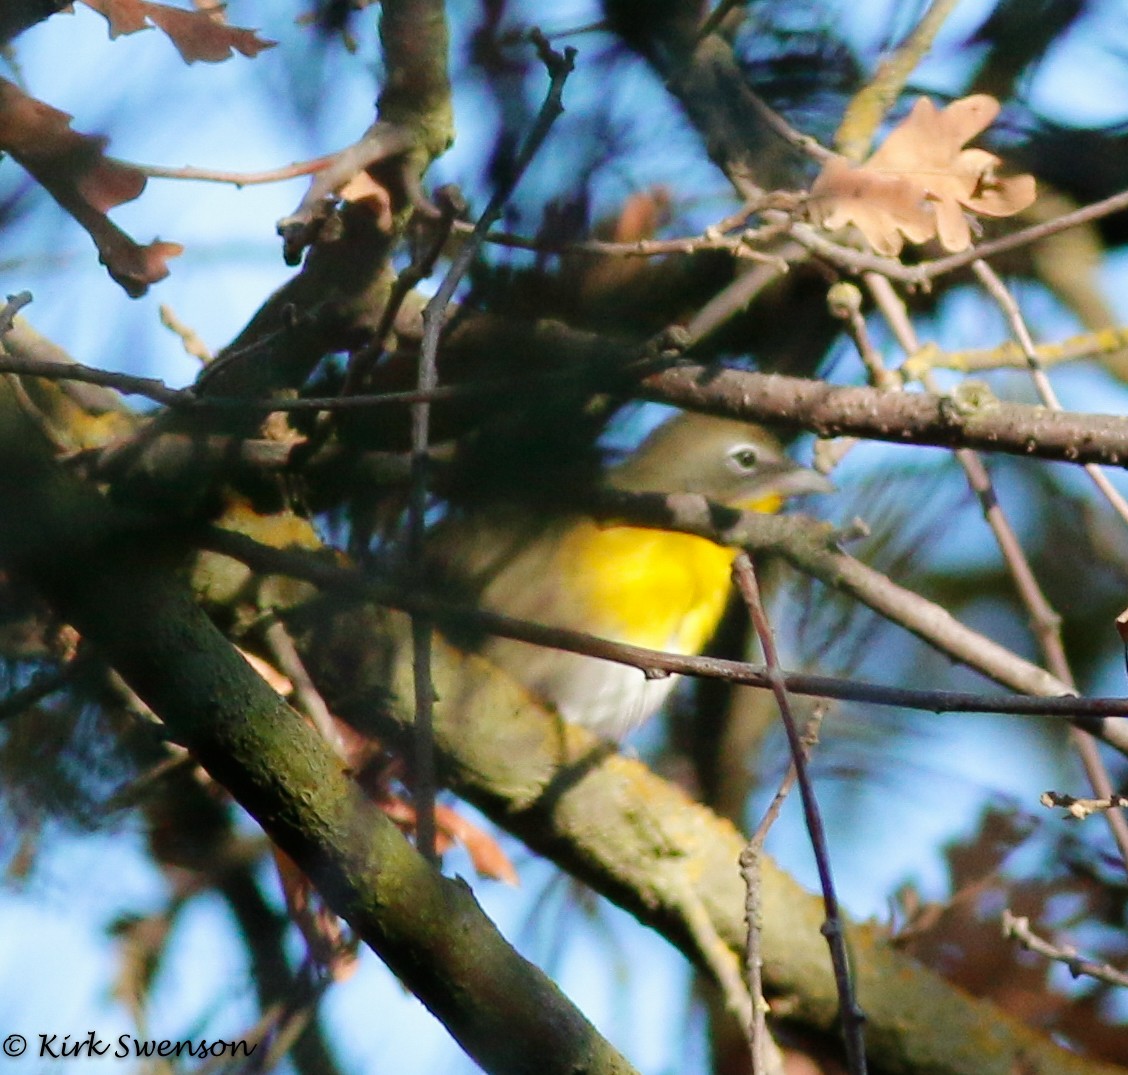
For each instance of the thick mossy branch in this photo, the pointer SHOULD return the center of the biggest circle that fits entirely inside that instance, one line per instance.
(335, 302)
(640, 841)
(119, 584)
(416, 95)
(604, 818)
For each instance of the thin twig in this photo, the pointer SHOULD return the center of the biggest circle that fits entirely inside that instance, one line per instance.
(869, 105)
(1082, 808)
(791, 537)
(829, 410)
(237, 179)
(306, 698)
(733, 299)
(1045, 621)
(741, 245)
(717, 16)
(422, 265)
(751, 857)
(559, 67)
(845, 302)
(149, 387)
(41, 685)
(190, 339)
(858, 261)
(722, 962)
(1005, 300)
(1008, 355)
(438, 394)
(12, 307)
(713, 239)
(1018, 927)
(279, 1025)
(140, 787)
(850, 1012)
(186, 398)
(1115, 203)
(1083, 743)
(802, 143)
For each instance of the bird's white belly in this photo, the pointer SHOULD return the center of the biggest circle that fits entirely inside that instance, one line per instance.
(609, 698)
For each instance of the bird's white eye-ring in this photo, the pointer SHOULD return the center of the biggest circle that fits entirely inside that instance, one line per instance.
(744, 456)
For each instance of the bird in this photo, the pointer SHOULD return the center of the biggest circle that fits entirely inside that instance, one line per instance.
(645, 587)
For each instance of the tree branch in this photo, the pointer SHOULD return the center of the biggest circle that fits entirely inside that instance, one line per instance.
(803, 542)
(643, 843)
(119, 586)
(953, 421)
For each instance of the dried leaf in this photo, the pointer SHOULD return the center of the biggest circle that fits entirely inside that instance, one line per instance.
(131, 265)
(75, 171)
(885, 209)
(330, 946)
(197, 34)
(124, 16)
(486, 854)
(642, 215)
(41, 139)
(484, 851)
(962, 940)
(921, 183)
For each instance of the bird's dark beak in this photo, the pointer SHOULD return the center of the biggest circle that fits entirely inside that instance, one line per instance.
(802, 480)
(790, 479)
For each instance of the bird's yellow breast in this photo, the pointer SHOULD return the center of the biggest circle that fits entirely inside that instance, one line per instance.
(647, 587)
(651, 588)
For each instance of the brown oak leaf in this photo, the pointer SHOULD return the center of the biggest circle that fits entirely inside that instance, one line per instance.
(921, 183)
(197, 34)
(73, 168)
(886, 209)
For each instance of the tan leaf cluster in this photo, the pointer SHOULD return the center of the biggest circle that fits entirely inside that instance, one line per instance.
(75, 171)
(197, 34)
(922, 183)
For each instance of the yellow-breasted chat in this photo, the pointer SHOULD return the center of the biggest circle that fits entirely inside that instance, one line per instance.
(646, 587)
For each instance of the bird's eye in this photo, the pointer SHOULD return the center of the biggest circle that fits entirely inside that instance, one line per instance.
(744, 457)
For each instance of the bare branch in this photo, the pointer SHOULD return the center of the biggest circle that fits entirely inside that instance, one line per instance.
(897, 417)
(802, 541)
(237, 179)
(1083, 808)
(858, 261)
(1018, 927)
(850, 1014)
(1050, 635)
(12, 307)
(751, 871)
